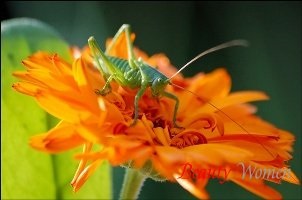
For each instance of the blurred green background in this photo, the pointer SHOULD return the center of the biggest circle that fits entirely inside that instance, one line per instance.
(181, 30)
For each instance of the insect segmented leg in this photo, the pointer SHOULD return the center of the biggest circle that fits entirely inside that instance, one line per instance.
(102, 62)
(137, 98)
(171, 96)
(125, 28)
(107, 88)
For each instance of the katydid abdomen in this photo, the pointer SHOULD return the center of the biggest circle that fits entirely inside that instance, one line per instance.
(125, 75)
(132, 78)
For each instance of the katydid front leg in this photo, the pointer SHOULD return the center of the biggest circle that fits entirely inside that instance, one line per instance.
(107, 88)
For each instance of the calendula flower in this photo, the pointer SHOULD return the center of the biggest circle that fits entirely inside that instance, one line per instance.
(219, 129)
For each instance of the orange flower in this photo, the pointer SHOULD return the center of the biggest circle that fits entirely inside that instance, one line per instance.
(221, 133)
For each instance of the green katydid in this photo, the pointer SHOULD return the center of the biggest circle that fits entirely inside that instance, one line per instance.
(136, 74)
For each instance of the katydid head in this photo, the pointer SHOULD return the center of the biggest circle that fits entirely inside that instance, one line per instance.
(158, 85)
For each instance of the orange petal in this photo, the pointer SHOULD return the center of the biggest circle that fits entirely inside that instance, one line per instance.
(91, 132)
(87, 147)
(214, 84)
(233, 99)
(114, 115)
(260, 149)
(292, 178)
(159, 132)
(237, 111)
(119, 48)
(81, 76)
(258, 187)
(142, 157)
(141, 131)
(171, 154)
(61, 138)
(197, 188)
(251, 124)
(27, 88)
(71, 110)
(209, 121)
(85, 174)
(217, 154)
(40, 60)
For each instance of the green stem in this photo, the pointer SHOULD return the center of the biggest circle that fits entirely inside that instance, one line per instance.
(133, 181)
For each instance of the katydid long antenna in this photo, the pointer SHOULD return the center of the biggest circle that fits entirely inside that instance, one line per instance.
(232, 43)
(238, 42)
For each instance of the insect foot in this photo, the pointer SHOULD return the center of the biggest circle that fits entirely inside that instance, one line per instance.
(177, 126)
(102, 92)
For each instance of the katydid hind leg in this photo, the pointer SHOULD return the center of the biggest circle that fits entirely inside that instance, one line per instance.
(125, 28)
(100, 58)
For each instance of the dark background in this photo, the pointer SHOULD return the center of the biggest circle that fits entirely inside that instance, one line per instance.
(181, 30)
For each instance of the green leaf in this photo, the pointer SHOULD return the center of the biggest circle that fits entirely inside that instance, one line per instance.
(27, 173)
